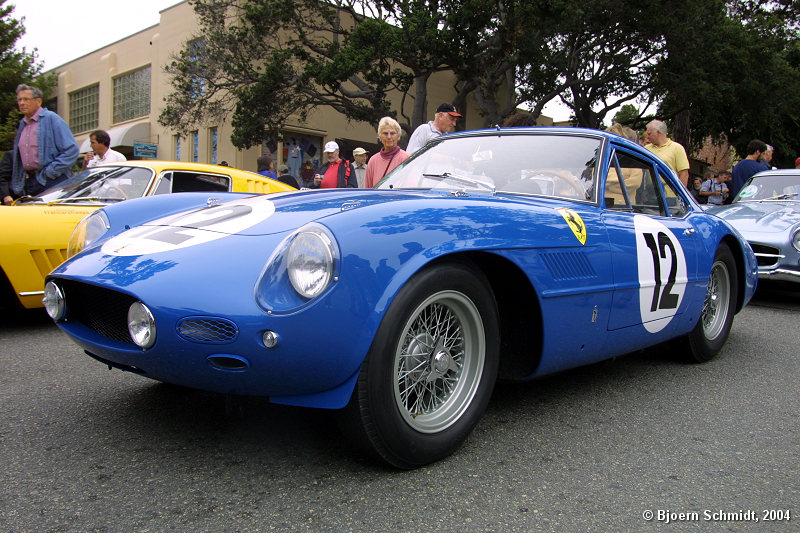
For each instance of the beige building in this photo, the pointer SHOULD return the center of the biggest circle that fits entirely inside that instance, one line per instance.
(121, 88)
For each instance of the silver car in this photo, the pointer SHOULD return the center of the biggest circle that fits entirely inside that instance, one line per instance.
(767, 213)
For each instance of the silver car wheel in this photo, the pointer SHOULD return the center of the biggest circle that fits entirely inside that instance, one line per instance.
(718, 300)
(439, 361)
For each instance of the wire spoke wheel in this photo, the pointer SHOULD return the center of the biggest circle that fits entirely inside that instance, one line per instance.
(717, 302)
(716, 318)
(431, 369)
(439, 361)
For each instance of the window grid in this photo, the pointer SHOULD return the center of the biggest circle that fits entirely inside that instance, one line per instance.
(212, 135)
(132, 95)
(195, 147)
(83, 109)
(177, 148)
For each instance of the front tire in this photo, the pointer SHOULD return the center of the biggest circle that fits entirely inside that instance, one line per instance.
(431, 369)
(712, 330)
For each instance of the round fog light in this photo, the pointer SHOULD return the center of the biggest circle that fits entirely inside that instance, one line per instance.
(141, 325)
(270, 339)
(53, 301)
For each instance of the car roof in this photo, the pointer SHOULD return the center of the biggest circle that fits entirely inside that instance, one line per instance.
(778, 172)
(159, 166)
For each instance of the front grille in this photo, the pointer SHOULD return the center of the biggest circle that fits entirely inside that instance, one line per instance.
(766, 256)
(102, 310)
(210, 330)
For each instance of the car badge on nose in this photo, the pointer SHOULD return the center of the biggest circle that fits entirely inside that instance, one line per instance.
(211, 202)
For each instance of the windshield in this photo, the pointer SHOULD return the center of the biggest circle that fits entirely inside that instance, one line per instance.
(552, 164)
(106, 183)
(770, 187)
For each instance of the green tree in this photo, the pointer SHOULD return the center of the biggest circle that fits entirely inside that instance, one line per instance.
(262, 61)
(730, 73)
(715, 68)
(16, 66)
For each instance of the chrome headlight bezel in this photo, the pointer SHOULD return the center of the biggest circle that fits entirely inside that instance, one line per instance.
(303, 267)
(54, 302)
(141, 325)
(310, 261)
(89, 230)
(796, 239)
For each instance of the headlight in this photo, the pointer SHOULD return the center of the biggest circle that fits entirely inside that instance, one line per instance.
(796, 240)
(53, 301)
(141, 325)
(88, 231)
(310, 261)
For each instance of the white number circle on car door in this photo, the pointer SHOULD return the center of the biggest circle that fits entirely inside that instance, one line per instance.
(662, 272)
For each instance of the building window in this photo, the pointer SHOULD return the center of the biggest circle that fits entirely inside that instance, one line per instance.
(197, 51)
(177, 142)
(132, 95)
(212, 144)
(195, 147)
(83, 105)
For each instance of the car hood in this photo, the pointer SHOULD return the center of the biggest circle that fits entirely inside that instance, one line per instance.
(765, 217)
(270, 214)
(40, 224)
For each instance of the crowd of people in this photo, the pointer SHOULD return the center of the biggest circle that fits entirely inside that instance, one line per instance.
(45, 152)
(716, 187)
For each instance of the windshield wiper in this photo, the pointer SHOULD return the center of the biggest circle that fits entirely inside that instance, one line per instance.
(784, 196)
(463, 179)
(87, 199)
(29, 199)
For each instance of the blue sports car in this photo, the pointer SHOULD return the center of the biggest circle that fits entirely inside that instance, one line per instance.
(504, 253)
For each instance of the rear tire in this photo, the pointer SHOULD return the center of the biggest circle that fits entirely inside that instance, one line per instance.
(712, 330)
(431, 369)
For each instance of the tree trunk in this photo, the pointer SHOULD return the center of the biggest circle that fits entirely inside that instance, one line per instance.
(682, 126)
(420, 114)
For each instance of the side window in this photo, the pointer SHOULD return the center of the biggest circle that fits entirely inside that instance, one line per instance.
(194, 182)
(631, 186)
(647, 198)
(178, 181)
(616, 192)
(675, 202)
(164, 185)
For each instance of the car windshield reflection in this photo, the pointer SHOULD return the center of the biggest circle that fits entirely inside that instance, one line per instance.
(554, 165)
(101, 183)
(770, 187)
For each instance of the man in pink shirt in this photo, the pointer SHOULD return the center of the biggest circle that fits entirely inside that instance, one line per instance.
(44, 148)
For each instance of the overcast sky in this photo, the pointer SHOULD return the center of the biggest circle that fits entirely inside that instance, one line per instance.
(62, 31)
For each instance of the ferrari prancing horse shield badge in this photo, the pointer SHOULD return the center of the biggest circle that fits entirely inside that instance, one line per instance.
(575, 223)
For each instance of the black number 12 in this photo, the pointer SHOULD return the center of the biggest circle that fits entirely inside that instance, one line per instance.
(662, 299)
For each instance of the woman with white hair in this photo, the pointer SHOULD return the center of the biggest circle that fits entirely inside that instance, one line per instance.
(391, 154)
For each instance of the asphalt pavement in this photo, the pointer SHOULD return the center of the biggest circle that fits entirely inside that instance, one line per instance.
(639, 443)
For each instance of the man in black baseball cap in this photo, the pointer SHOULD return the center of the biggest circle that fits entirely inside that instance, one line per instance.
(443, 122)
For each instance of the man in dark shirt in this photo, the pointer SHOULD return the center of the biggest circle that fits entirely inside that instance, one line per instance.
(748, 166)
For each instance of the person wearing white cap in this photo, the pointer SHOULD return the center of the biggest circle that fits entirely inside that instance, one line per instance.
(360, 164)
(443, 122)
(334, 173)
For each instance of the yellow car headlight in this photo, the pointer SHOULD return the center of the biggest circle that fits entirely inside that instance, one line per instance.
(87, 232)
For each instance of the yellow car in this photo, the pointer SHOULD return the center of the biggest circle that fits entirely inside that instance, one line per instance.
(34, 233)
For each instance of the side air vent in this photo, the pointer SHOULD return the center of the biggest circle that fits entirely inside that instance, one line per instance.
(568, 265)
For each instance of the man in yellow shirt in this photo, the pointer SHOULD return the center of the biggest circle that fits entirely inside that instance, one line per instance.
(672, 153)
